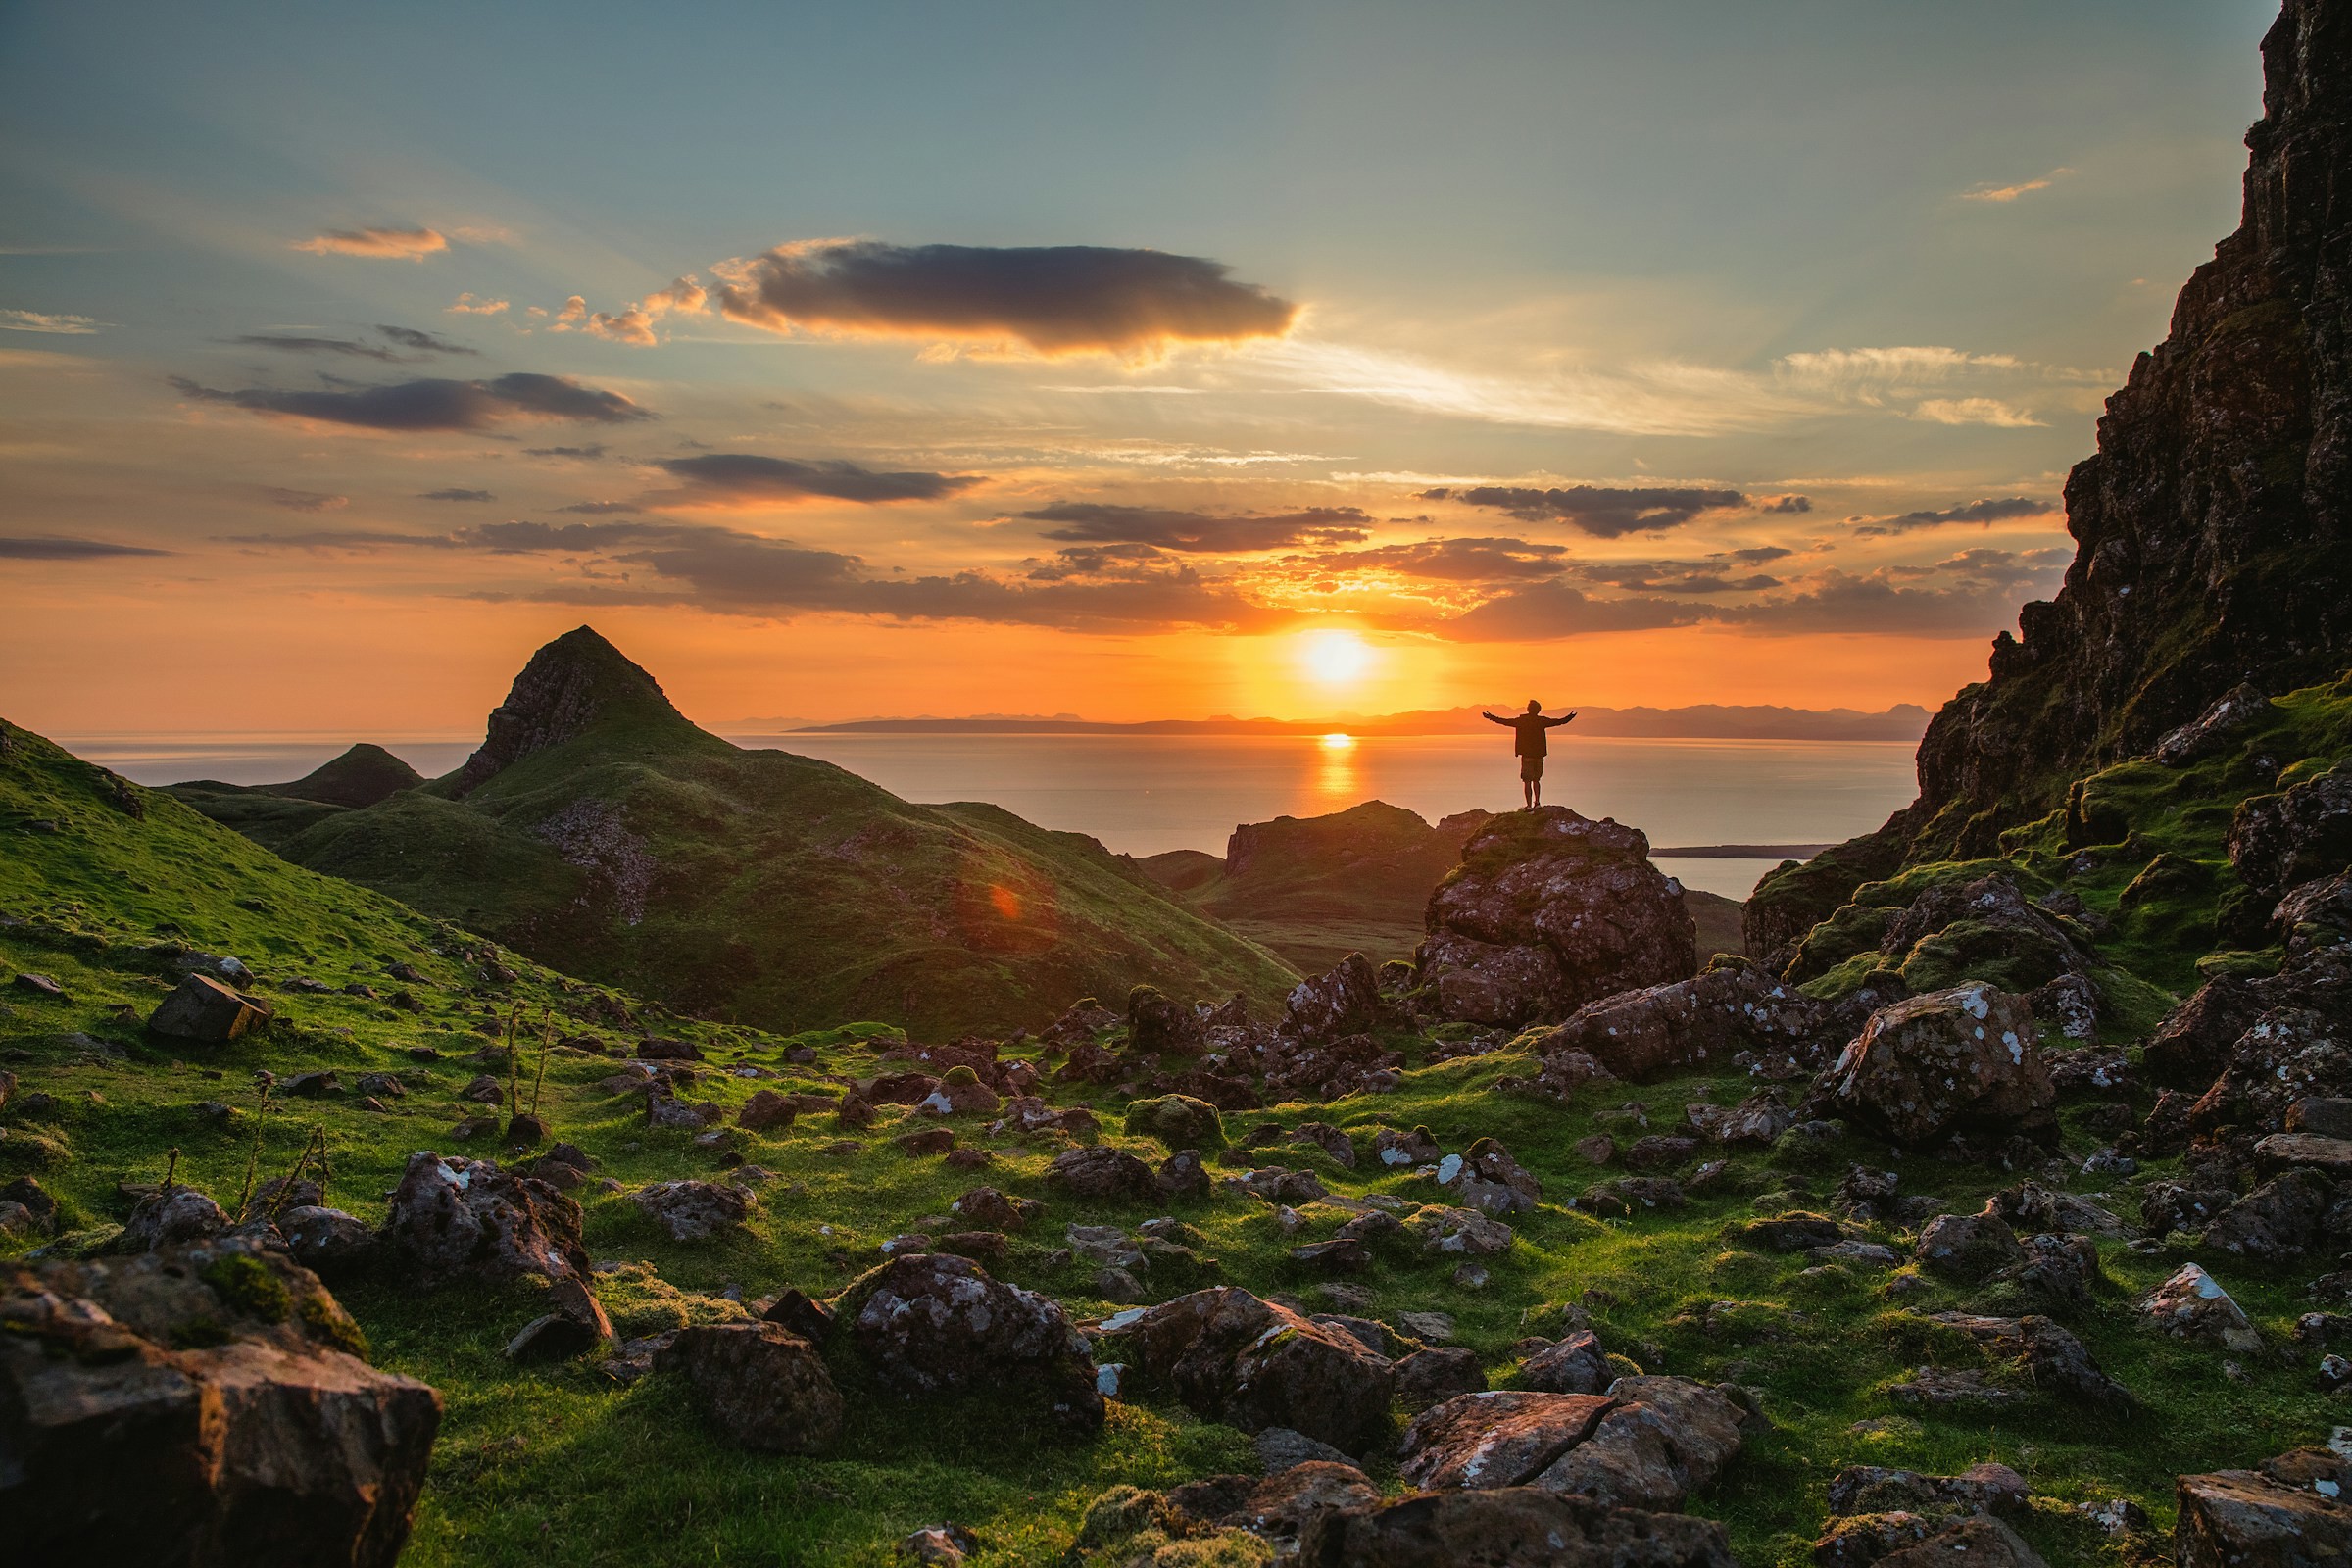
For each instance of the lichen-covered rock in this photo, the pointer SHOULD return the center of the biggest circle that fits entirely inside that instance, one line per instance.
(2192, 1306)
(327, 1241)
(1969, 1248)
(2278, 1222)
(200, 1405)
(1486, 1177)
(1505, 1438)
(1160, 1025)
(986, 1205)
(1958, 1060)
(1573, 1365)
(694, 1211)
(2246, 1519)
(1230, 1356)
(767, 1110)
(1520, 1526)
(1709, 1018)
(169, 1217)
(2288, 1054)
(459, 1216)
(759, 1385)
(2036, 1352)
(1440, 1228)
(1438, 1374)
(930, 1323)
(2304, 833)
(1101, 1172)
(1344, 1000)
(1977, 1542)
(1648, 1443)
(1549, 910)
(1178, 1121)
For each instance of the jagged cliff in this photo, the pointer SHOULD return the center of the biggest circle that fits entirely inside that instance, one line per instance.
(2213, 542)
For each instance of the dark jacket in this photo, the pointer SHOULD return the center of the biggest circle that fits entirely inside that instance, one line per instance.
(1530, 728)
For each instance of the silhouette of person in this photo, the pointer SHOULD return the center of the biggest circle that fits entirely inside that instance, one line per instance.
(1531, 747)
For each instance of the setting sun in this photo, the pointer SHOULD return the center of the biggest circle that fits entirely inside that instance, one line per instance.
(1336, 658)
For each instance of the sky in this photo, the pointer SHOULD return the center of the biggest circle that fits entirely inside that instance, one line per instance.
(917, 358)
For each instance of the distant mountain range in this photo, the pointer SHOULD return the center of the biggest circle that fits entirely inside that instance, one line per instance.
(1904, 722)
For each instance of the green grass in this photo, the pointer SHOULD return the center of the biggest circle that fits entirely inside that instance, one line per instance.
(556, 1464)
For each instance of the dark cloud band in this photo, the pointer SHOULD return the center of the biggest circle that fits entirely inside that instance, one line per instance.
(435, 403)
(1597, 510)
(50, 548)
(1050, 299)
(743, 478)
(1092, 523)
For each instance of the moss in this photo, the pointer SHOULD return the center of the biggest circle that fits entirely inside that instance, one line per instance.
(200, 1333)
(331, 1325)
(963, 1077)
(250, 1287)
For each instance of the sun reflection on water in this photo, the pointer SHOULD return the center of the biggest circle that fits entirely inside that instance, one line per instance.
(1334, 780)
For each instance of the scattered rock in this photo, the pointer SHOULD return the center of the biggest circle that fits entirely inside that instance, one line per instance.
(985, 1205)
(1101, 1172)
(203, 1009)
(1178, 1121)
(327, 1241)
(1279, 1448)
(1230, 1356)
(2246, 1519)
(1573, 1365)
(945, 1545)
(1443, 1229)
(170, 1218)
(1969, 1248)
(1515, 1525)
(1648, 1443)
(573, 1325)
(766, 1110)
(1343, 1001)
(1433, 1376)
(456, 1216)
(1486, 1177)
(2192, 1306)
(930, 1323)
(694, 1210)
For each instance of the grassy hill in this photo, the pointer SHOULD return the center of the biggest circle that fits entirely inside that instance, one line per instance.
(104, 887)
(600, 831)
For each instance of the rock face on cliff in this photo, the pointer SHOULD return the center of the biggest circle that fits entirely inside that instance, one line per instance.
(568, 685)
(2215, 523)
(1549, 910)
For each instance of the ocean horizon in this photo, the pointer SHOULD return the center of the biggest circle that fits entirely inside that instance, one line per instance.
(1144, 794)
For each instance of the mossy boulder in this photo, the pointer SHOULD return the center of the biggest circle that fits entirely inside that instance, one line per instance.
(1177, 1121)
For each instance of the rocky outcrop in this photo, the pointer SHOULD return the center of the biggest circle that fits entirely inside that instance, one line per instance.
(2300, 835)
(200, 1405)
(2291, 1513)
(1549, 910)
(758, 1384)
(569, 684)
(2213, 526)
(1648, 1443)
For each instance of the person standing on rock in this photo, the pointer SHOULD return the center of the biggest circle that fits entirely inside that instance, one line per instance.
(1531, 747)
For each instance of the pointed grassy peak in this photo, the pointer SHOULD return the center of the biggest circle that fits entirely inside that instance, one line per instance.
(361, 776)
(576, 685)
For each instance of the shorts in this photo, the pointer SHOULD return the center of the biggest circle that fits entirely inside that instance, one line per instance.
(1531, 770)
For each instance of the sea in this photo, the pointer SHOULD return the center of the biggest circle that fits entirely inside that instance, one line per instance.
(1144, 793)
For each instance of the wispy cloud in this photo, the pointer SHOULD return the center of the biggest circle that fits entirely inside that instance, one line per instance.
(304, 500)
(1988, 191)
(748, 479)
(1976, 411)
(634, 324)
(451, 493)
(468, 304)
(51, 547)
(1199, 532)
(383, 243)
(1981, 513)
(45, 321)
(1602, 510)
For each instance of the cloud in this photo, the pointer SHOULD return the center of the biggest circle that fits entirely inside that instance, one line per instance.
(1670, 577)
(1547, 611)
(1199, 532)
(434, 404)
(601, 509)
(49, 548)
(1604, 512)
(1049, 300)
(468, 304)
(1976, 411)
(1983, 513)
(1464, 561)
(634, 325)
(1988, 191)
(424, 343)
(1785, 506)
(589, 453)
(43, 322)
(408, 337)
(1839, 602)
(743, 478)
(454, 494)
(304, 500)
(403, 244)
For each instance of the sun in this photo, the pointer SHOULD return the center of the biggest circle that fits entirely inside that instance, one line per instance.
(1336, 658)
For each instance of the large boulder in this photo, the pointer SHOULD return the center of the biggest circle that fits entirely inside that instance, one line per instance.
(200, 1405)
(933, 1323)
(457, 1216)
(205, 1010)
(2287, 1056)
(1230, 1356)
(761, 1386)
(695, 1212)
(1519, 1526)
(1101, 1172)
(1711, 1017)
(169, 1217)
(1958, 1060)
(1648, 1443)
(2253, 1519)
(1177, 1121)
(1344, 1001)
(1549, 910)
(1157, 1024)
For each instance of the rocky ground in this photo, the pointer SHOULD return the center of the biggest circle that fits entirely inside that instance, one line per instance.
(1543, 1248)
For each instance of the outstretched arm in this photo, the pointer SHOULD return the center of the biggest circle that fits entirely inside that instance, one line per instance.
(1555, 723)
(1491, 719)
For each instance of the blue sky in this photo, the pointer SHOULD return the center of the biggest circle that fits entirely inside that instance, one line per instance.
(1888, 258)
